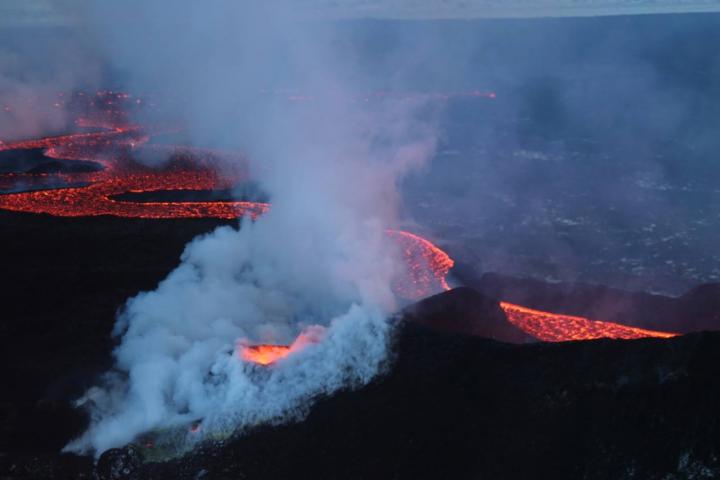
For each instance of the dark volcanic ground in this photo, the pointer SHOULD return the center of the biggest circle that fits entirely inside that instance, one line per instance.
(449, 406)
(595, 162)
(64, 279)
(466, 408)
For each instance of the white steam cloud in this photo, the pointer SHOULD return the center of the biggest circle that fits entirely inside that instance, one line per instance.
(319, 263)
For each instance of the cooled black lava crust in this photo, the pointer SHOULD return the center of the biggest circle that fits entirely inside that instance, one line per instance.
(449, 405)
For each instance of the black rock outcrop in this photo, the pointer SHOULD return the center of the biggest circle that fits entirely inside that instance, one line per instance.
(467, 311)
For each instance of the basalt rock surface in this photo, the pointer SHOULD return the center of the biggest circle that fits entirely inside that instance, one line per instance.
(460, 407)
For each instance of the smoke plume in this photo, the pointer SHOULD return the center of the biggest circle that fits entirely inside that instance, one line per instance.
(38, 67)
(319, 263)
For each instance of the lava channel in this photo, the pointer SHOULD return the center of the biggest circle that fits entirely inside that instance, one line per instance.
(187, 169)
(555, 327)
(118, 144)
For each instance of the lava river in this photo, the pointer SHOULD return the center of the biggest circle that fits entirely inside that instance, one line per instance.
(115, 148)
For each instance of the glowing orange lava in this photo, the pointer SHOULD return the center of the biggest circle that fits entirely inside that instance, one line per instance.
(184, 168)
(264, 354)
(428, 266)
(555, 327)
(267, 354)
(116, 149)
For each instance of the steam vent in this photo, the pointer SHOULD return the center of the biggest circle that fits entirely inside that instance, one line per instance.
(359, 240)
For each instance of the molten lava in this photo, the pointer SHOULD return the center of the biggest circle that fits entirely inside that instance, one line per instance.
(264, 354)
(184, 168)
(555, 327)
(427, 266)
(117, 146)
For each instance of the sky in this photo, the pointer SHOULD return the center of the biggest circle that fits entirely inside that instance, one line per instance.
(62, 12)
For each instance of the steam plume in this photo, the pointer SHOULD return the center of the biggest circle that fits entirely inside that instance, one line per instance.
(37, 66)
(319, 262)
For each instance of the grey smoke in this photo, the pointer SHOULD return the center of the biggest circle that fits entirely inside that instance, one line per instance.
(319, 263)
(571, 173)
(37, 66)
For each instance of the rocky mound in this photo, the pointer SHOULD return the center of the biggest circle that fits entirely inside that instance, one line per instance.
(467, 311)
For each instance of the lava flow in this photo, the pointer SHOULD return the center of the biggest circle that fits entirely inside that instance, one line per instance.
(427, 266)
(117, 146)
(264, 354)
(115, 151)
(555, 327)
